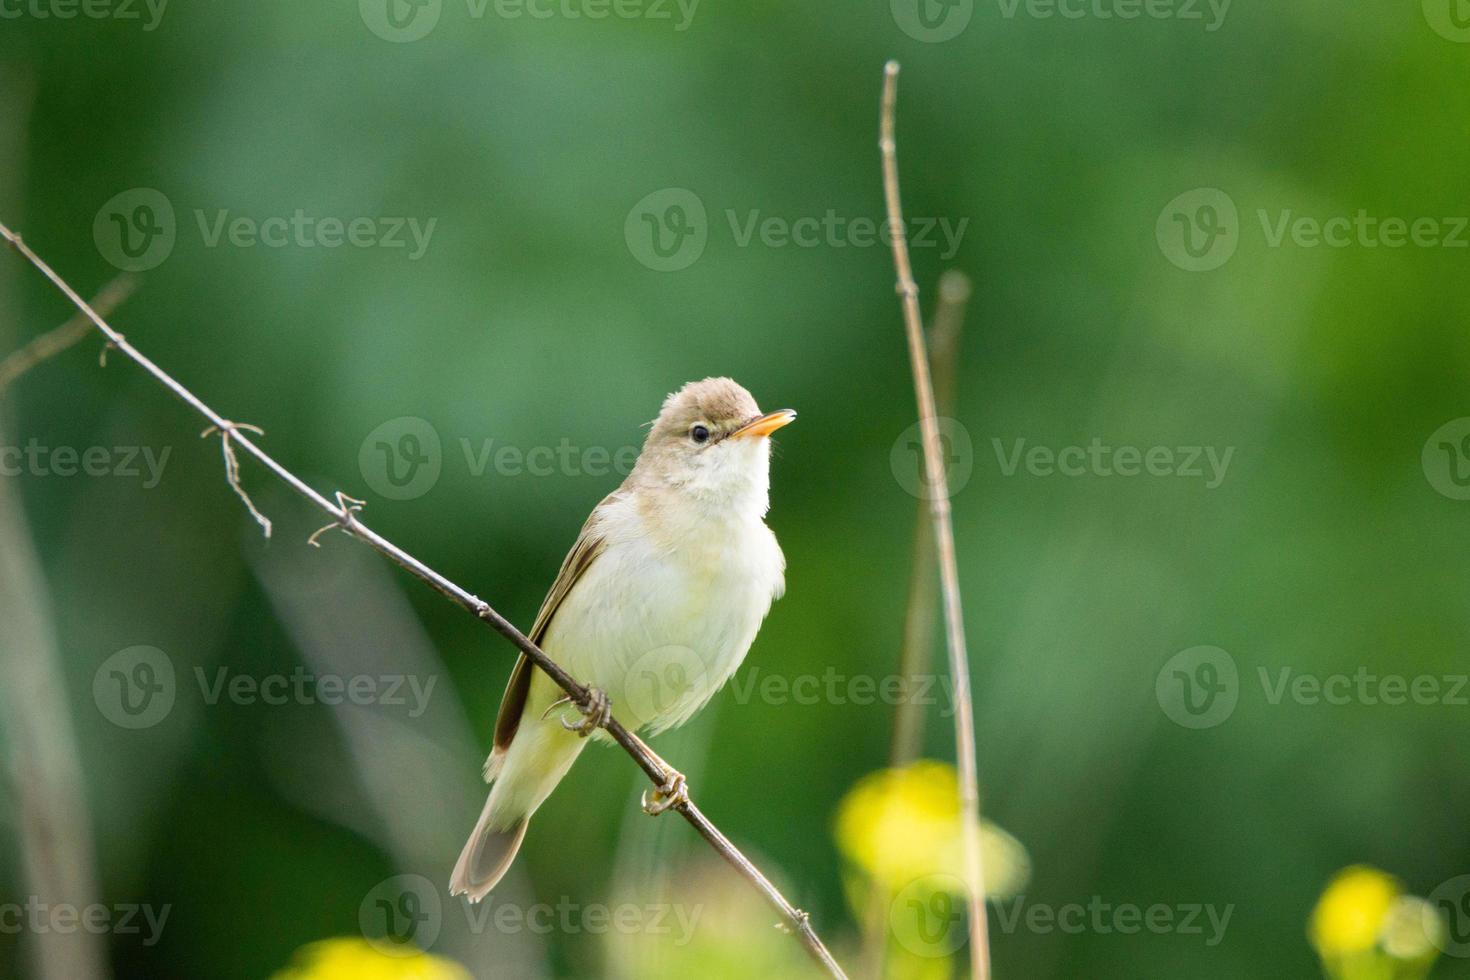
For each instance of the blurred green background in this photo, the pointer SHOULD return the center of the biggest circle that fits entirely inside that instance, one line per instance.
(536, 313)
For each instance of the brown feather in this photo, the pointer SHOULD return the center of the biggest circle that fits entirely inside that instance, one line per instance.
(589, 545)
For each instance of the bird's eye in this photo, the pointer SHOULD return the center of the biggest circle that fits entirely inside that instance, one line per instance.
(699, 434)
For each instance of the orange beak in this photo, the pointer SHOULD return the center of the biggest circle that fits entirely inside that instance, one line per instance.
(764, 425)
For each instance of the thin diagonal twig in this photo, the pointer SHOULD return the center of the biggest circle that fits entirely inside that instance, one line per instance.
(343, 514)
(939, 512)
(48, 345)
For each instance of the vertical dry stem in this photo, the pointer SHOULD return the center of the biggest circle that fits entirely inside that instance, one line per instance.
(939, 511)
(918, 627)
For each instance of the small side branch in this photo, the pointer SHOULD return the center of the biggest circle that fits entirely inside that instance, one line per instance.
(343, 514)
(48, 345)
(939, 513)
(227, 432)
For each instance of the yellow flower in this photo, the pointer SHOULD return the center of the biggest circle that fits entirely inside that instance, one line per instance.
(357, 959)
(899, 825)
(1352, 910)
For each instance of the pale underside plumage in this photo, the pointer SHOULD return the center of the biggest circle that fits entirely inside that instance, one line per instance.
(656, 605)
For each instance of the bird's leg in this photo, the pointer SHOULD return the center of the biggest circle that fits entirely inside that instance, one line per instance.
(673, 792)
(595, 712)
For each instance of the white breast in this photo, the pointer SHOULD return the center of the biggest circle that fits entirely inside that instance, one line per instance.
(661, 621)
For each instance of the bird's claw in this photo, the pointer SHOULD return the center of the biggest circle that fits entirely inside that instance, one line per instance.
(674, 792)
(594, 714)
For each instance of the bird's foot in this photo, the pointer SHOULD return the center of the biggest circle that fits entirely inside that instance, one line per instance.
(595, 713)
(674, 792)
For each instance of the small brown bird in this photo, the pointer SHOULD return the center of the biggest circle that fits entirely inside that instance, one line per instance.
(655, 608)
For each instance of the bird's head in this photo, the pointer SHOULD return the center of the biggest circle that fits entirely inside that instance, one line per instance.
(712, 440)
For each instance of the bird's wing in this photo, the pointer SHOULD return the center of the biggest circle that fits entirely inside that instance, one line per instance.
(589, 545)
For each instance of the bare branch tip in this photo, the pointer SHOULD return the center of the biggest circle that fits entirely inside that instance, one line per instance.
(954, 286)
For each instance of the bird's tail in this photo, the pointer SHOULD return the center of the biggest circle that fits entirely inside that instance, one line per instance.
(536, 760)
(487, 856)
